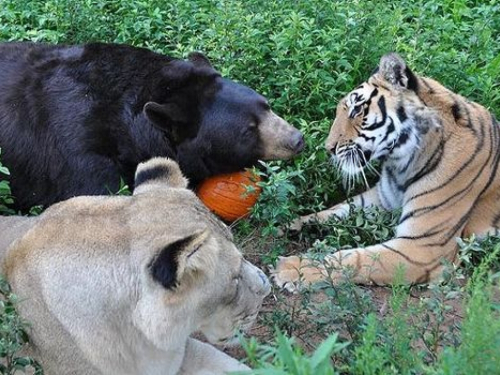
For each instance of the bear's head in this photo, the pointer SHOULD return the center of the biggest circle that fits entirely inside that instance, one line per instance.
(216, 125)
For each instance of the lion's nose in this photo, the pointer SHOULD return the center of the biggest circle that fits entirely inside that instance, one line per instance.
(266, 285)
(258, 281)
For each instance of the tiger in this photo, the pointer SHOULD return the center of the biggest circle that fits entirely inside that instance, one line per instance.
(439, 156)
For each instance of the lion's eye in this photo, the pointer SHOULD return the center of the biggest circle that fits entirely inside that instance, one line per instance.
(236, 284)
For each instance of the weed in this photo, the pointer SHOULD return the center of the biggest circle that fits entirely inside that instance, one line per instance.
(287, 358)
(304, 56)
(411, 336)
(13, 337)
(5, 193)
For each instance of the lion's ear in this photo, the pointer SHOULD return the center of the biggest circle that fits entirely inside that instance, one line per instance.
(393, 69)
(172, 261)
(157, 172)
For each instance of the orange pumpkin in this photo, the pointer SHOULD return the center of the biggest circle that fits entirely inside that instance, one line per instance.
(226, 195)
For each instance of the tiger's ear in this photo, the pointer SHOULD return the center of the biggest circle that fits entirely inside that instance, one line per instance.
(158, 172)
(393, 69)
(177, 258)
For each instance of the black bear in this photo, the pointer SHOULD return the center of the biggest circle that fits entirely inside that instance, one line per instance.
(75, 120)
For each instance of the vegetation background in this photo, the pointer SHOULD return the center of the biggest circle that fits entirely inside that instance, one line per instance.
(304, 55)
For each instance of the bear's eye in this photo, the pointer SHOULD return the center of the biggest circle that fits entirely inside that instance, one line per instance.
(265, 106)
(249, 129)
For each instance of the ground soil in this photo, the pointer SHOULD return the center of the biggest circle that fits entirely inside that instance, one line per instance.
(305, 330)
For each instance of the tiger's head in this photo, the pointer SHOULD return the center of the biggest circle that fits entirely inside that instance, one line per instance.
(380, 118)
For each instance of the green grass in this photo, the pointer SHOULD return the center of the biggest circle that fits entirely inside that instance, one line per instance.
(304, 55)
(410, 339)
(5, 193)
(13, 336)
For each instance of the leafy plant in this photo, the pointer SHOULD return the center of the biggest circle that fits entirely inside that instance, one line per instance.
(287, 358)
(478, 351)
(13, 336)
(5, 193)
(408, 338)
(123, 189)
(304, 56)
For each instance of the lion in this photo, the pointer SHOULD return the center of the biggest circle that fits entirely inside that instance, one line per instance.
(115, 285)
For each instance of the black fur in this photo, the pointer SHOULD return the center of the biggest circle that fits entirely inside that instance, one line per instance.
(74, 119)
(152, 174)
(412, 80)
(164, 267)
(455, 110)
(401, 113)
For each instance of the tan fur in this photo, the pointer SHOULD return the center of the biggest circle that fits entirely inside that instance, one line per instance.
(458, 197)
(275, 134)
(83, 272)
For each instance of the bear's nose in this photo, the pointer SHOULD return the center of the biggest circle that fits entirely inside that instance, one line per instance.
(297, 142)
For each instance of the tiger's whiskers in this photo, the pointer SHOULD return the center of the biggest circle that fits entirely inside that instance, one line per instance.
(350, 165)
(370, 167)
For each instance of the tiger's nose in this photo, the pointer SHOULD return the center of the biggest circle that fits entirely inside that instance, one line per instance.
(332, 148)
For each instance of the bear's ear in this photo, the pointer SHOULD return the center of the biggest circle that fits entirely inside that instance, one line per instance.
(155, 172)
(168, 117)
(199, 60)
(168, 267)
(393, 69)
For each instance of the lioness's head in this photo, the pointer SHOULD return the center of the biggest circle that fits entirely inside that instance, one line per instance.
(129, 277)
(193, 278)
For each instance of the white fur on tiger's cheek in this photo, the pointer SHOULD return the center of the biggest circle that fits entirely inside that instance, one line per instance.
(373, 117)
(351, 163)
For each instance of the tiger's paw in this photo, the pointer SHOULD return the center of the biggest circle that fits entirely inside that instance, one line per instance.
(294, 227)
(297, 224)
(293, 272)
(286, 275)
